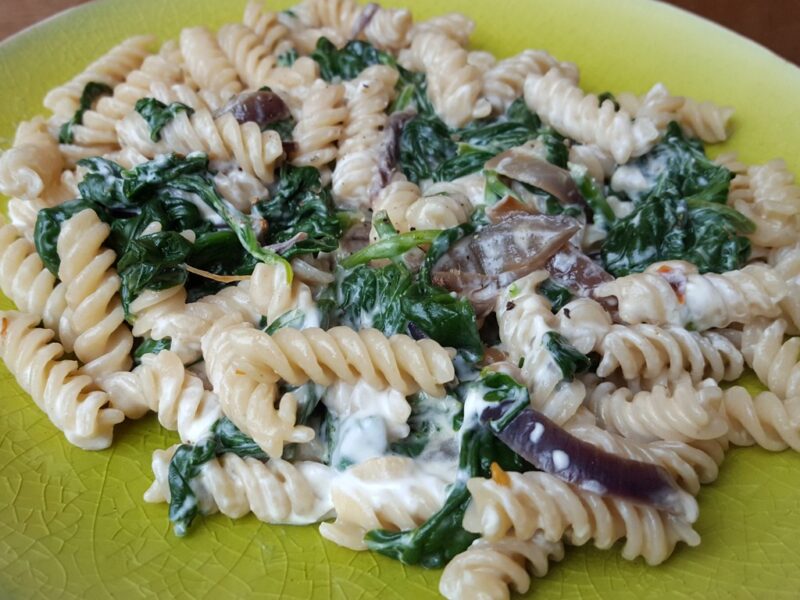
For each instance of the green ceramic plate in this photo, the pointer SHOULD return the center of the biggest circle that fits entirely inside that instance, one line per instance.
(73, 524)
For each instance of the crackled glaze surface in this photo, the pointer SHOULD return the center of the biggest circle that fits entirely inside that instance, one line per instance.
(72, 523)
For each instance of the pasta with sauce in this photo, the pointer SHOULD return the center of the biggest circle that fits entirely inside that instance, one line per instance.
(453, 307)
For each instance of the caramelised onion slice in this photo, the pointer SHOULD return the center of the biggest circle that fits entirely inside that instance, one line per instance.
(550, 448)
(522, 165)
(262, 107)
(389, 152)
(363, 19)
(480, 266)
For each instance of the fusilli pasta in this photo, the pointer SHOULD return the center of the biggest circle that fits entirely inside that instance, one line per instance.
(103, 339)
(207, 63)
(675, 293)
(503, 83)
(766, 420)
(539, 502)
(31, 168)
(524, 319)
(454, 85)
(275, 492)
(111, 69)
(389, 492)
(163, 385)
(680, 412)
(489, 570)
(563, 105)
(656, 353)
(55, 384)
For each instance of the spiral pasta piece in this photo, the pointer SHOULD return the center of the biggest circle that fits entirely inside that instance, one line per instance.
(320, 125)
(674, 293)
(66, 396)
(775, 362)
(768, 196)
(584, 322)
(504, 82)
(223, 139)
(367, 96)
(99, 124)
(250, 57)
(599, 164)
(103, 340)
(161, 384)
(186, 324)
(524, 320)
(27, 283)
(456, 26)
(454, 86)
(388, 492)
(564, 106)
(678, 413)
(398, 362)
(489, 570)
(31, 168)
(766, 420)
(539, 502)
(275, 492)
(273, 296)
(111, 69)
(255, 408)
(409, 210)
(207, 63)
(705, 120)
(665, 354)
(786, 263)
(264, 24)
(657, 104)
(389, 28)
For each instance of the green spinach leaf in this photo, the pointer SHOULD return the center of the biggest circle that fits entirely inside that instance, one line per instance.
(565, 355)
(347, 63)
(300, 205)
(91, 92)
(158, 115)
(187, 461)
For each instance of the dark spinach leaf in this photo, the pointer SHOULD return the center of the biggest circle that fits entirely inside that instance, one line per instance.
(424, 144)
(441, 537)
(150, 346)
(185, 465)
(288, 58)
(347, 63)
(158, 115)
(557, 295)
(48, 226)
(91, 92)
(565, 355)
(154, 262)
(300, 204)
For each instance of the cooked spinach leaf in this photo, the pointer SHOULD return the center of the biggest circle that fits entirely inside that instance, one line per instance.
(442, 536)
(347, 63)
(91, 92)
(150, 346)
(288, 58)
(157, 114)
(187, 461)
(565, 355)
(48, 226)
(557, 295)
(393, 300)
(153, 262)
(424, 144)
(301, 205)
(682, 214)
